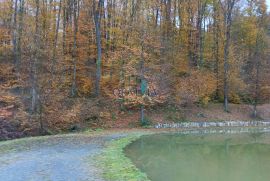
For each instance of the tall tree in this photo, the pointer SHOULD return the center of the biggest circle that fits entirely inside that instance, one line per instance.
(15, 29)
(228, 6)
(20, 33)
(34, 66)
(74, 48)
(56, 39)
(98, 44)
(216, 46)
(201, 12)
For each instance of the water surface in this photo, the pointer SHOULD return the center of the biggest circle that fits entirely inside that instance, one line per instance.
(203, 157)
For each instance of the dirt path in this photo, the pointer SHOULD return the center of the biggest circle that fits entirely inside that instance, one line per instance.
(61, 158)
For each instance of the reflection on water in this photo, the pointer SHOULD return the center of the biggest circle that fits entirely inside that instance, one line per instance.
(203, 157)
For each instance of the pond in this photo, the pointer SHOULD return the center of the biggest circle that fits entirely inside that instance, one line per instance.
(203, 156)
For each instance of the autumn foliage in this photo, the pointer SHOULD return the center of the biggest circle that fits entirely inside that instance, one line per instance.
(57, 52)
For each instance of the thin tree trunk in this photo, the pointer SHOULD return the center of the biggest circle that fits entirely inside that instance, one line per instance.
(34, 65)
(256, 91)
(228, 23)
(14, 37)
(157, 17)
(56, 39)
(216, 45)
(192, 61)
(64, 27)
(74, 49)
(108, 34)
(257, 80)
(36, 103)
(98, 44)
(201, 12)
(142, 72)
(20, 29)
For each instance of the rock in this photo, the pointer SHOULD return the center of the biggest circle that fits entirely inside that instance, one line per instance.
(75, 128)
(213, 124)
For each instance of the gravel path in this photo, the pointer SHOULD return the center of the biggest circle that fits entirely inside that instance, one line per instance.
(60, 158)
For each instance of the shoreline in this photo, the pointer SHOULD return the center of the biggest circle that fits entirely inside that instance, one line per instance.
(213, 124)
(109, 161)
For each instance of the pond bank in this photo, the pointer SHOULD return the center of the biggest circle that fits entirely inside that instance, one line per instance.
(115, 165)
(90, 156)
(61, 157)
(213, 124)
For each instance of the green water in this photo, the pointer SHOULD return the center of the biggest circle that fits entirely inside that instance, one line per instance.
(204, 157)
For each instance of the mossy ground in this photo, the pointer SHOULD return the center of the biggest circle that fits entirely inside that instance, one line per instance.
(115, 165)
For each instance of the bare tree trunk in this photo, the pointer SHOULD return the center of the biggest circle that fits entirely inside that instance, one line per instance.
(64, 27)
(134, 8)
(257, 79)
(157, 17)
(168, 33)
(56, 39)
(98, 44)
(142, 71)
(180, 13)
(113, 25)
(142, 115)
(20, 30)
(192, 61)
(36, 103)
(256, 90)
(34, 65)
(228, 23)
(216, 45)
(74, 49)
(14, 37)
(166, 27)
(201, 12)
(108, 35)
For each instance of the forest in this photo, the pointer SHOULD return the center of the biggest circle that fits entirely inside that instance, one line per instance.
(70, 64)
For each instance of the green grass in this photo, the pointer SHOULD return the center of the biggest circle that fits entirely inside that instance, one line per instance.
(115, 165)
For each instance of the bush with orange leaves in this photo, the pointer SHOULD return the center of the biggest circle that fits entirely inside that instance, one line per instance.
(195, 86)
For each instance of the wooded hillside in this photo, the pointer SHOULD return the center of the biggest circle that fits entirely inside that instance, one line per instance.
(69, 62)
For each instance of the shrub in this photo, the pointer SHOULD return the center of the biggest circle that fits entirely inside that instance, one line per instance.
(146, 122)
(197, 86)
(234, 98)
(204, 101)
